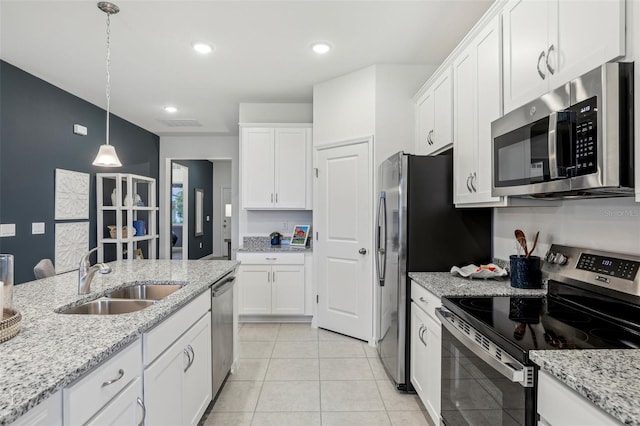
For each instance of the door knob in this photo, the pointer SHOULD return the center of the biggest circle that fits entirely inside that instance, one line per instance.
(362, 251)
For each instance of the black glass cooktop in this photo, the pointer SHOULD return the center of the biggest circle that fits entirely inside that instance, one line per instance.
(520, 324)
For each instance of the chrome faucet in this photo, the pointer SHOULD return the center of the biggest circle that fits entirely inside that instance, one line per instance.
(86, 272)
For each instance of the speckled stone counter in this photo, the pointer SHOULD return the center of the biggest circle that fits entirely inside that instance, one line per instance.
(263, 244)
(53, 350)
(446, 284)
(609, 378)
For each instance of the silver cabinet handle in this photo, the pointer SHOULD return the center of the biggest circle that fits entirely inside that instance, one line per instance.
(422, 299)
(272, 197)
(193, 355)
(270, 258)
(186, 352)
(144, 412)
(421, 333)
(274, 276)
(429, 138)
(473, 178)
(540, 73)
(469, 186)
(362, 251)
(551, 49)
(276, 197)
(268, 277)
(112, 381)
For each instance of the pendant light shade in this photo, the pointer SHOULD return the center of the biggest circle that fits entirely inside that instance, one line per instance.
(107, 156)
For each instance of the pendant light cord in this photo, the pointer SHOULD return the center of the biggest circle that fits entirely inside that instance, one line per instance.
(108, 91)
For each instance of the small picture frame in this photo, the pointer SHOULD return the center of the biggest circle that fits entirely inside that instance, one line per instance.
(300, 235)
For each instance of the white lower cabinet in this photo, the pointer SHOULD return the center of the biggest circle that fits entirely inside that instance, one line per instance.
(559, 405)
(177, 383)
(271, 284)
(47, 413)
(426, 340)
(125, 409)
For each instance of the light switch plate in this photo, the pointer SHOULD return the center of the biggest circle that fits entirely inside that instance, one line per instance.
(79, 130)
(37, 228)
(207, 218)
(8, 230)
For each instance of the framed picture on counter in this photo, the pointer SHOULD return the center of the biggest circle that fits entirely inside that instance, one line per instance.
(300, 235)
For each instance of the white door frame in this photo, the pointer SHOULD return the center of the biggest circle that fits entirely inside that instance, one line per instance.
(369, 140)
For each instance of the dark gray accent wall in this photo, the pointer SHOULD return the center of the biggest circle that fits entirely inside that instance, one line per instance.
(36, 137)
(200, 176)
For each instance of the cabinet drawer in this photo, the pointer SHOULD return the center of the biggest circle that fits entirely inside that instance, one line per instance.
(271, 258)
(84, 398)
(426, 300)
(169, 330)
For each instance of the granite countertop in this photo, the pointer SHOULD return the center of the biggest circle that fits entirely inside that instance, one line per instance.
(53, 350)
(609, 378)
(447, 284)
(263, 244)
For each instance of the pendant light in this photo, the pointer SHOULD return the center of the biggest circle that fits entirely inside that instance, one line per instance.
(107, 156)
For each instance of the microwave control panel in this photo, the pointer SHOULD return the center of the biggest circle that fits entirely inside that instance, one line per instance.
(585, 136)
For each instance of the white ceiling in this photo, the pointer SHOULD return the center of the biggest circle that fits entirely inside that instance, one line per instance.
(262, 50)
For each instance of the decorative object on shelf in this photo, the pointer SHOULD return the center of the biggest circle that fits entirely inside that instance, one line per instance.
(127, 201)
(10, 325)
(138, 201)
(107, 156)
(6, 281)
(114, 198)
(300, 235)
(525, 269)
(125, 231)
(275, 238)
(72, 195)
(199, 206)
(138, 254)
(140, 227)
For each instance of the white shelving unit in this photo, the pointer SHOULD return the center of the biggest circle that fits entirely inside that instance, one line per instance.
(125, 185)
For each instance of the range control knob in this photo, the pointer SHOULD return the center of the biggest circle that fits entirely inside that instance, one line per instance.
(557, 258)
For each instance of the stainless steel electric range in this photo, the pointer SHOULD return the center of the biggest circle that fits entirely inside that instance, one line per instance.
(593, 302)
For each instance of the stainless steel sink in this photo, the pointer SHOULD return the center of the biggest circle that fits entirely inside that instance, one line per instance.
(108, 307)
(144, 291)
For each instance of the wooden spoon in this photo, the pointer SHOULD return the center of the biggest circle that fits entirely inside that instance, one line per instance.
(522, 240)
(535, 241)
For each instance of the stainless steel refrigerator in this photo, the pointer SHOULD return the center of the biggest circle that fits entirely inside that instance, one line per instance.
(418, 230)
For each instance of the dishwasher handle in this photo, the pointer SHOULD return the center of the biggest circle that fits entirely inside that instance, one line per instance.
(221, 287)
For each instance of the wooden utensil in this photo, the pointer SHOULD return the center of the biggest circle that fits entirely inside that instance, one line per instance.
(535, 242)
(522, 240)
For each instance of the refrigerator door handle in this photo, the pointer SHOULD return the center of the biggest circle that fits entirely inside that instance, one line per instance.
(381, 257)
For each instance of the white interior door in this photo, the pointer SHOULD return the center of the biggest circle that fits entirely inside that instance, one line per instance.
(343, 248)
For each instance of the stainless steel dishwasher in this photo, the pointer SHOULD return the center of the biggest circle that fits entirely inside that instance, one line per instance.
(221, 330)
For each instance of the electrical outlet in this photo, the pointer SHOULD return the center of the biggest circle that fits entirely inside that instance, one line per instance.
(8, 230)
(37, 228)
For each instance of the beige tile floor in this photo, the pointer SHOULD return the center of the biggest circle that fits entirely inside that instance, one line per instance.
(294, 375)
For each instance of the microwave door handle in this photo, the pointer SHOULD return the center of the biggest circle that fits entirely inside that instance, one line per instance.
(553, 146)
(513, 370)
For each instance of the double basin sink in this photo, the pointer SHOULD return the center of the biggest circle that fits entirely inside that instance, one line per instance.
(124, 300)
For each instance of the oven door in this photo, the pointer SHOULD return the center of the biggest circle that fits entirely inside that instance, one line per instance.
(477, 388)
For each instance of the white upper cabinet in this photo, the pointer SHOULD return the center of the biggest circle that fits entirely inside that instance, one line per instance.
(476, 104)
(433, 110)
(275, 164)
(547, 43)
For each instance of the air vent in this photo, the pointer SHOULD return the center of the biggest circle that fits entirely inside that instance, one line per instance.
(183, 122)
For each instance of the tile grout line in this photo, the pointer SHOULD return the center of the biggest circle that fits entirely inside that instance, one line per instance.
(273, 348)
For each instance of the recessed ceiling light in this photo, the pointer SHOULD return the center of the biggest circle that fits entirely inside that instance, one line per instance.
(170, 109)
(202, 48)
(321, 47)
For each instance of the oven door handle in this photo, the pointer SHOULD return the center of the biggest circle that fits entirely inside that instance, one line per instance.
(512, 370)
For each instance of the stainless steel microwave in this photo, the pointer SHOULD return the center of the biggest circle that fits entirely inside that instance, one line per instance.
(575, 141)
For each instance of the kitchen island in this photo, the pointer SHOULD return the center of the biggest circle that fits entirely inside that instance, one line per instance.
(53, 350)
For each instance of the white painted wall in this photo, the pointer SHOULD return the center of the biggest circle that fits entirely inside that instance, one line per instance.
(193, 148)
(221, 177)
(276, 113)
(611, 224)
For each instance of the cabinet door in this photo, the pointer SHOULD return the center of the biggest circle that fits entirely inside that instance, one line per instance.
(419, 358)
(257, 165)
(433, 337)
(254, 282)
(125, 409)
(525, 49)
(424, 123)
(47, 413)
(196, 383)
(291, 152)
(584, 34)
(287, 291)
(442, 111)
(163, 387)
(465, 126)
(487, 53)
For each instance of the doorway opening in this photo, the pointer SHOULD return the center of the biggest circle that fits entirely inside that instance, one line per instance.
(179, 211)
